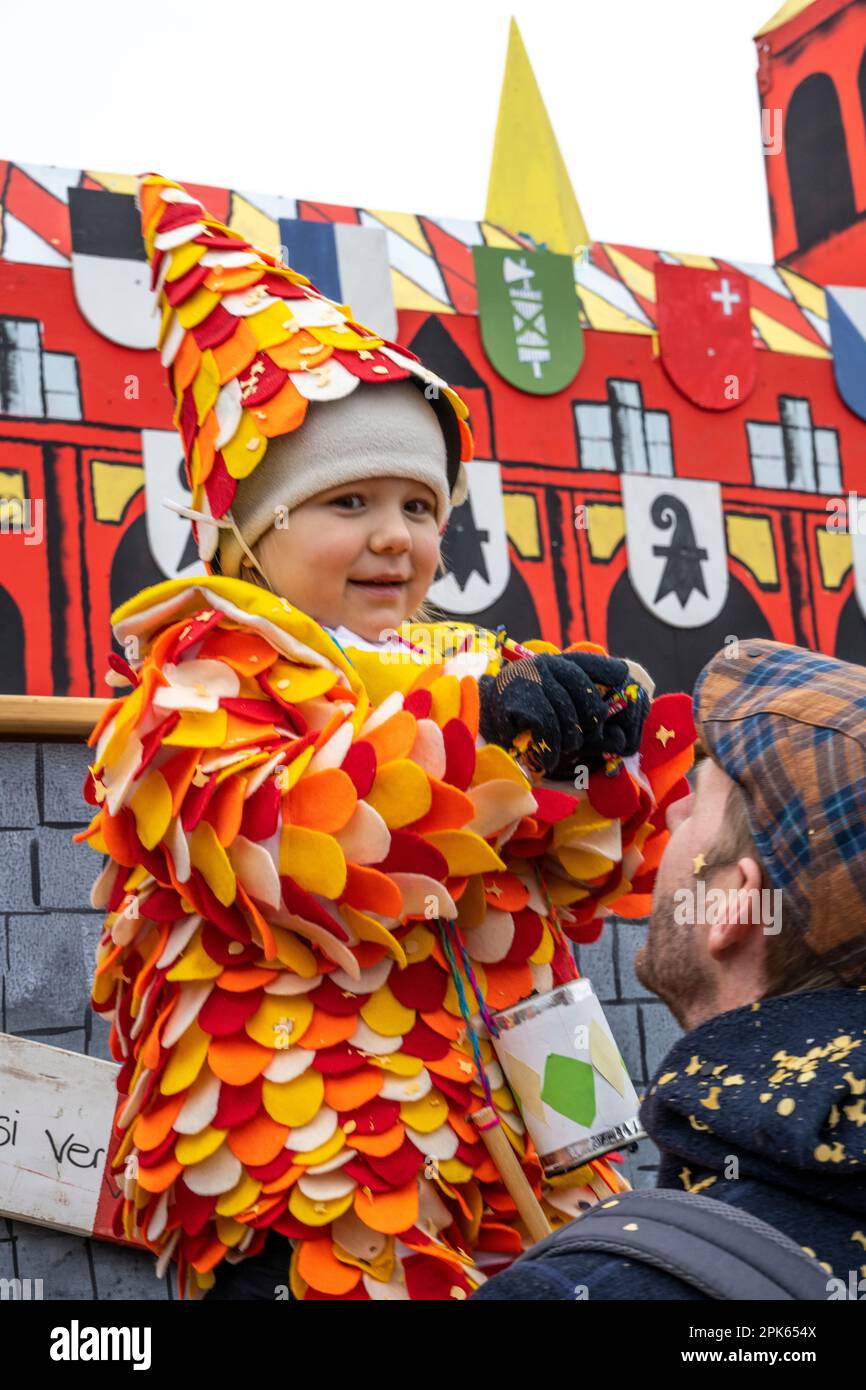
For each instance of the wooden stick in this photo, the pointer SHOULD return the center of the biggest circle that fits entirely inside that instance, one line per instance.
(600, 1187)
(508, 1164)
(49, 714)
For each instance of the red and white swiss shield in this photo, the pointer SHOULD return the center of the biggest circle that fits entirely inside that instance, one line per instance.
(705, 334)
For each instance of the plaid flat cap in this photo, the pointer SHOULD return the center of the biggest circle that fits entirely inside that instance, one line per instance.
(789, 726)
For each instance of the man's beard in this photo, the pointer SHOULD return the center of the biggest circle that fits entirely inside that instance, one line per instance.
(667, 964)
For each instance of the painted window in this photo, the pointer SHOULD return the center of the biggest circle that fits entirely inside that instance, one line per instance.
(622, 437)
(35, 383)
(793, 453)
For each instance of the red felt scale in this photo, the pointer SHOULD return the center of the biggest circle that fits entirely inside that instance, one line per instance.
(223, 1013)
(337, 1001)
(237, 1104)
(338, 1060)
(261, 811)
(215, 330)
(262, 380)
(360, 764)
(423, 1043)
(409, 853)
(419, 987)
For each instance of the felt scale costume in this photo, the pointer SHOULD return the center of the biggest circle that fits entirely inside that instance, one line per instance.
(320, 880)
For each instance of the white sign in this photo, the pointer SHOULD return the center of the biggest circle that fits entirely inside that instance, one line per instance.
(115, 298)
(677, 554)
(56, 1113)
(476, 546)
(168, 534)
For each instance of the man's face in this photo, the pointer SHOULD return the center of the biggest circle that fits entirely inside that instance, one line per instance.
(673, 961)
(361, 554)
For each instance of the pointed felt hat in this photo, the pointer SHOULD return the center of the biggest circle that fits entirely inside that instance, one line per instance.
(249, 345)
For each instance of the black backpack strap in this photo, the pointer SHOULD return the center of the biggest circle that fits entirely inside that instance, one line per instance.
(718, 1249)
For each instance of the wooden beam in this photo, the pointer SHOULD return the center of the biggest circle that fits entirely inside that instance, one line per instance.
(49, 714)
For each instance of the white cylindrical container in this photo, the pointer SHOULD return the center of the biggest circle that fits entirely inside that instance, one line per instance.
(565, 1069)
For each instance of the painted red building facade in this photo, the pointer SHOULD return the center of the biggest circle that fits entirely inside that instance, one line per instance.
(85, 416)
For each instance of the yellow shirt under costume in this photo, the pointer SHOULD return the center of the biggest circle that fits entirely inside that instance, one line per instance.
(317, 887)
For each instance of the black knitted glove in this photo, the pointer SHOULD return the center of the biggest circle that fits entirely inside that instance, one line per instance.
(574, 706)
(622, 723)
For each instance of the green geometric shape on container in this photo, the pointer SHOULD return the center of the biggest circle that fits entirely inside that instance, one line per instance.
(569, 1088)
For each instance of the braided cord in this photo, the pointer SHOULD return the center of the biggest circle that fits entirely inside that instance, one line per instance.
(457, 977)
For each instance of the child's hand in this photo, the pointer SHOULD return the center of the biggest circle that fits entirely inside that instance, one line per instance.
(626, 703)
(572, 720)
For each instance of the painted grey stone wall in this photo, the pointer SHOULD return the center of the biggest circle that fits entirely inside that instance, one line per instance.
(46, 962)
(47, 952)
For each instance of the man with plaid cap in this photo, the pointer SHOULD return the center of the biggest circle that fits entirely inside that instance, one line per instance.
(757, 943)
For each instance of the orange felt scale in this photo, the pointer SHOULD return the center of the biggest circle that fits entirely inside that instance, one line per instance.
(323, 801)
(454, 1066)
(470, 705)
(328, 1030)
(378, 1145)
(187, 363)
(506, 984)
(505, 892)
(236, 353)
(370, 890)
(300, 353)
(160, 1176)
(237, 1059)
(321, 1270)
(312, 873)
(283, 413)
(389, 1212)
(151, 1129)
(449, 1026)
(349, 1092)
(227, 808)
(210, 1258)
(487, 1172)
(244, 652)
(450, 808)
(394, 738)
(258, 1140)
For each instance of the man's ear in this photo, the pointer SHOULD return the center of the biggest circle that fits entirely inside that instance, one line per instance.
(746, 907)
(742, 911)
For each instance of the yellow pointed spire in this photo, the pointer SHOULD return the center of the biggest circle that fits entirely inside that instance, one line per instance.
(789, 10)
(529, 188)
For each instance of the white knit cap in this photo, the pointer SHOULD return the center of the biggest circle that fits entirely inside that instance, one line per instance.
(375, 432)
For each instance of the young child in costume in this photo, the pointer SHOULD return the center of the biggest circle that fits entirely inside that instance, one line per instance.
(333, 852)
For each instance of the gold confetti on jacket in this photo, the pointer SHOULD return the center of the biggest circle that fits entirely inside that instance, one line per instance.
(310, 867)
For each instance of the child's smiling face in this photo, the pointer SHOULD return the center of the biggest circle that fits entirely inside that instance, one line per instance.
(361, 554)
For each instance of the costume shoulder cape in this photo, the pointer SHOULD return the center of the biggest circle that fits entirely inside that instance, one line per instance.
(317, 887)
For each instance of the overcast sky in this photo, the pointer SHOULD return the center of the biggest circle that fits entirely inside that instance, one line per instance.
(393, 105)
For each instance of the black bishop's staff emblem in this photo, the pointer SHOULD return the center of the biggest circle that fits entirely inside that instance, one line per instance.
(682, 574)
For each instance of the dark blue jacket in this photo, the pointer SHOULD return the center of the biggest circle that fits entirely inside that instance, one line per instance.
(763, 1107)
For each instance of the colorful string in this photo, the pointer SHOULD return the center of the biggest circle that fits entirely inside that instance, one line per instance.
(447, 947)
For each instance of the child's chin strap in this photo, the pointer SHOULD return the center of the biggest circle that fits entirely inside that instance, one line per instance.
(227, 521)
